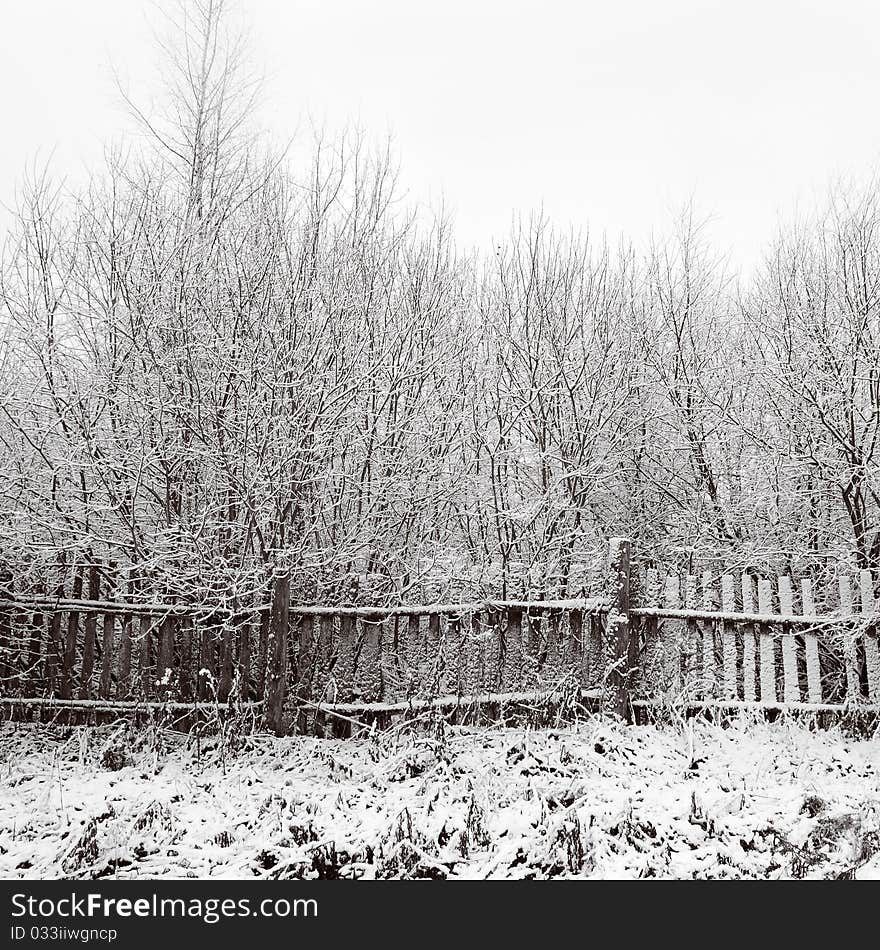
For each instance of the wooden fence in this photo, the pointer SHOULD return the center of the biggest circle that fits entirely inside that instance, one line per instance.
(708, 641)
(745, 641)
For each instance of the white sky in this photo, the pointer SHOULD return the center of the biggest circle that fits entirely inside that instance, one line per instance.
(608, 114)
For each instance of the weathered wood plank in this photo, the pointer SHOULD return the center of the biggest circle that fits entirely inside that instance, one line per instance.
(791, 690)
(243, 665)
(6, 633)
(368, 685)
(869, 636)
(615, 699)
(412, 650)
(146, 669)
(276, 685)
(728, 637)
(811, 645)
(68, 659)
(90, 635)
(850, 658)
(167, 634)
(186, 677)
(692, 676)
(34, 679)
(108, 655)
(750, 689)
(652, 653)
(494, 669)
(710, 674)
(123, 680)
(672, 635)
(345, 658)
(263, 650)
(766, 642)
(226, 659)
(512, 673)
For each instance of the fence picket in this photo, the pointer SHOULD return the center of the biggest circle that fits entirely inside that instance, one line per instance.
(54, 650)
(473, 666)
(7, 637)
(791, 689)
(325, 631)
(866, 591)
(452, 650)
(368, 673)
(108, 633)
(344, 668)
(651, 666)
(728, 637)
(68, 660)
(166, 653)
(853, 691)
(145, 667)
(496, 649)
(123, 680)
(710, 677)
(750, 692)
(767, 643)
(692, 638)
(244, 657)
(579, 631)
(226, 661)
(90, 636)
(594, 657)
(32, 666)
(207, 663)
(552, 669)
(811, 645)
(414, 651)
(185, 679)
(869, 636)
(263, 650)
(872, 663)
(513, 651)
(672, 633)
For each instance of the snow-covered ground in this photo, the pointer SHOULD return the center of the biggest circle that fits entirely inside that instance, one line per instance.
(597, 800)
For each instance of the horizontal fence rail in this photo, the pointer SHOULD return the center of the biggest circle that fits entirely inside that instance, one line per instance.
(707, 641)
(595, 604)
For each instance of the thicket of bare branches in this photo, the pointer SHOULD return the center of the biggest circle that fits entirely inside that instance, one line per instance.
(216, 363)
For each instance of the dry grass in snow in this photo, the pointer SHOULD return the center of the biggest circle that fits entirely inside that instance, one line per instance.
(753, 800)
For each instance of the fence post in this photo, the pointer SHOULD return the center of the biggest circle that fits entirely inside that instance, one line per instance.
(276, 681)
(615, 692)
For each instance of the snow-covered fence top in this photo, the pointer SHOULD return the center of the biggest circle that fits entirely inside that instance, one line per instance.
(205, 611)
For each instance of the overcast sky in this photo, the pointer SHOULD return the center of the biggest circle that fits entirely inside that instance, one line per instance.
(607, 115)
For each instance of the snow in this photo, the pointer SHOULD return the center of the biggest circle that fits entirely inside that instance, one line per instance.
(600, 800)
